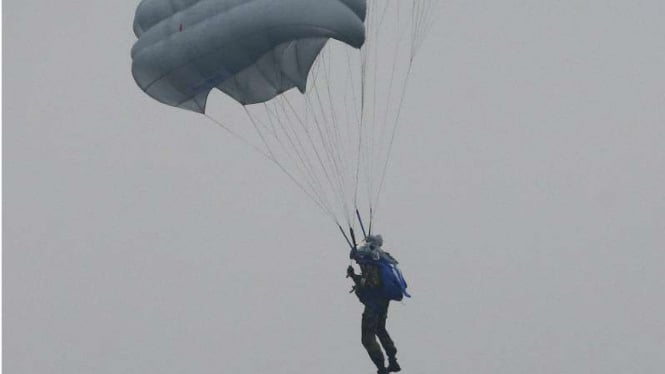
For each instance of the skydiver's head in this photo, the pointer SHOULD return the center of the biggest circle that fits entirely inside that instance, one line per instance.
(375, 241)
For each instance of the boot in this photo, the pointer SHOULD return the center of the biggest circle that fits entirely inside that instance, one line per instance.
(393, 366)
(377, 359)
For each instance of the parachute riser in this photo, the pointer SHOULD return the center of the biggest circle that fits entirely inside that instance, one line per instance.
(360, 220)
(351, 245)
(353, 237)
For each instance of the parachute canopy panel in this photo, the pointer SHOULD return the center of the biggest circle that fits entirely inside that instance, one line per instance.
(252, 50)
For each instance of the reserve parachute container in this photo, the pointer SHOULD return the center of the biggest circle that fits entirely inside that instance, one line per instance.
(315, 86)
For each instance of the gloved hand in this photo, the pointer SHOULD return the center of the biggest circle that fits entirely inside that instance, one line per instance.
(350, 272)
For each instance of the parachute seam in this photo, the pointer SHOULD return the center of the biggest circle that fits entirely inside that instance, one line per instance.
(189, 97)
(276, 90)
(180, 10)
(351, 9)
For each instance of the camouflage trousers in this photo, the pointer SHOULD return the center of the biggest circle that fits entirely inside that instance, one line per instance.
(373, 327)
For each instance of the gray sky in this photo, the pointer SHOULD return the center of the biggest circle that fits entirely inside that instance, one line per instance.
(525, 202)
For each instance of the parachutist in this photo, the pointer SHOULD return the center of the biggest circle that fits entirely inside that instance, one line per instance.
(375, 286)
(258, 52)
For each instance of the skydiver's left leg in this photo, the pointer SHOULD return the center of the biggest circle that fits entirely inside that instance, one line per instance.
(369, 326)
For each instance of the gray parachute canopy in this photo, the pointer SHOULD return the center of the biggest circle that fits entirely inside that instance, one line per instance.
(252, 50)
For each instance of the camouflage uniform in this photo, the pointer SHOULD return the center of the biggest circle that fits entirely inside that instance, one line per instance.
(367, 288)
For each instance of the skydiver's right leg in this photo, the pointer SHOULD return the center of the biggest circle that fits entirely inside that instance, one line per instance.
(369, 325)
(384, 337)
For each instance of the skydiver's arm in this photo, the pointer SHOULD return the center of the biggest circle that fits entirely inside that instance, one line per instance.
(357, 279)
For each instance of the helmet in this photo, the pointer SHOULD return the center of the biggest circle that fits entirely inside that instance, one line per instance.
(374, 240)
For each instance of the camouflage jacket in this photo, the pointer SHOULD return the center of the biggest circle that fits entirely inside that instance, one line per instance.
(368, 283)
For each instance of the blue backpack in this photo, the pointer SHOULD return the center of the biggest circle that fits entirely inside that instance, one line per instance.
(393, 283)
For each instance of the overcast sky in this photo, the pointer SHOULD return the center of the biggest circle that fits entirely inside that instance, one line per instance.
(525, 201)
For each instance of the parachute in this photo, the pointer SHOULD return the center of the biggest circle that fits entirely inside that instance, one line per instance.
(251, 50)
(348, 60)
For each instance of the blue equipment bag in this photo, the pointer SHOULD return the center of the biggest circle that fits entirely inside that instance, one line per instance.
(394, 285)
